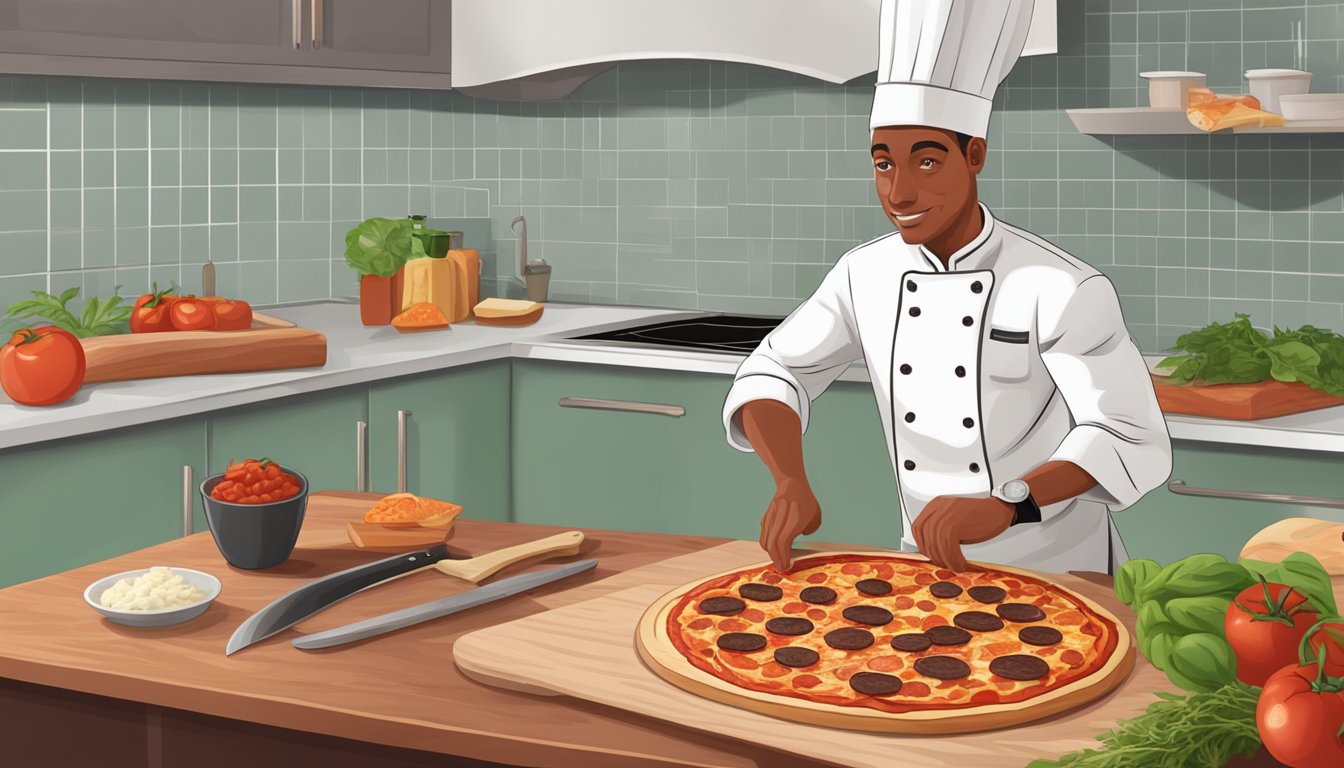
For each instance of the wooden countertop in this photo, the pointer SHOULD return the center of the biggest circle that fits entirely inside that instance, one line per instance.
(401, 689)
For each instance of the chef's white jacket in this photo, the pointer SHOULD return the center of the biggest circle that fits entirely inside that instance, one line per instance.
(1014, 355)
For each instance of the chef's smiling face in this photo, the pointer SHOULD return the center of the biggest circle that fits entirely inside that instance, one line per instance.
(926, 182)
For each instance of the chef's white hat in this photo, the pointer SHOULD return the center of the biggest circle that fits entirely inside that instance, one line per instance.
(940, 61)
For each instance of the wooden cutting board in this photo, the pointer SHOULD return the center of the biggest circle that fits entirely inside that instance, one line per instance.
(1261, 400)
(270, 344)
(587, 650)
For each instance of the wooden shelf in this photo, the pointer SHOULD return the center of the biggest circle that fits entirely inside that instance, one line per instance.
(1134, 121)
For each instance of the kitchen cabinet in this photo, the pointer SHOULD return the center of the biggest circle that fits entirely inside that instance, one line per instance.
(313, 433)
(393, 43)
(457, 437)
(835, 41)
(646, 471)
(68, 503)
(1167, 526)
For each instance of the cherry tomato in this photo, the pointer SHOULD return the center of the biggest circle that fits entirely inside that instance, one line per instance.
(156, 298)
(151, 319)
(230, 314)
(41, 366)
(1264, 625)
(1299, 715)
(192, 314)
(255, 482)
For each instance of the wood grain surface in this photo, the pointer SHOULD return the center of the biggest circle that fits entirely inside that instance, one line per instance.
(587, 650)
(270, 344)
(1261, 400)
(400, 689)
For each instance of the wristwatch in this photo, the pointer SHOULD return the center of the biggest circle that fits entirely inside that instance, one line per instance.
(1018, 493)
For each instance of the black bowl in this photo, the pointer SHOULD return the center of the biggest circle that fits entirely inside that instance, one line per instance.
(255, 536)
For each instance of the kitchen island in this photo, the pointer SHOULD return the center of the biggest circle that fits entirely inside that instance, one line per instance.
(169, 696)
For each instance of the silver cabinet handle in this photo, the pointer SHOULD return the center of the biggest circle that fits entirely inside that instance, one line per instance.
(1179, 486)
(296, 9)
(317, 22)
(676, 411)
(361, 456)
(188, 494)
(402, 416)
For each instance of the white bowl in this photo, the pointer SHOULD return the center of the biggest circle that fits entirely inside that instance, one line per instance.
(203, 581)
(1313, 106)
(1269, 85)
(1171, 90)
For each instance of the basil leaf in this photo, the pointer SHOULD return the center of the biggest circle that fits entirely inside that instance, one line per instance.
(1199, 614)
(1131, 578)
(1303, 573)
(1289, 358)
(1201, 662)
(1197, 576)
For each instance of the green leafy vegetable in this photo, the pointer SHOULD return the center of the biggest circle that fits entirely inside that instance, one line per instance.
(1200, 614)
(1132, 576)
(1237, 352)
(1201, 661)
(379, 246)
(1303, 573)
(99, 318)
(1202, 729)
(1196, 576)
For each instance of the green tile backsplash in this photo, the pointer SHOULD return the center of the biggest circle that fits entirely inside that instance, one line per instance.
(687, 184)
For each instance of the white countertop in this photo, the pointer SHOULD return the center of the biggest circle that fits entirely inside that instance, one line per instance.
(357, 354)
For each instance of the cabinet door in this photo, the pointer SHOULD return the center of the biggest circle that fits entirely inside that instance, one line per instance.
(400, 35)
(313, 433)
(657, 473)
(457, 437)
(71, 502)
(242, 31)
(1167, 526)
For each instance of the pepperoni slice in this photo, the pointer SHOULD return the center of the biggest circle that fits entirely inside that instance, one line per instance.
(886, 663)
(945, 635)
(944, 589)
(875, 683)
(806, 681)
(789, 625)
(700, 624)
(927, 606)
(722, 606)
(752, 614)
(874, 587)
(942, 667)
(915, 689)
(912, 642)
(903, 603)
(796, 657)
(817, 595)
(1022, 613)
(816, 578)
(743, 642)
(816, 614)
(1072, 658)
(978, 621)
(763, 593)
(871, 615)
(849, 639)
(1019, 666)
(987, 594)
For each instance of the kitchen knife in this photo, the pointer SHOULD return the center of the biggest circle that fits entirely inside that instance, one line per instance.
(298, 604)
(406, 617)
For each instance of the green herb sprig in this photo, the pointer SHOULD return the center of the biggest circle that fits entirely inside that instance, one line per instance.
(99, 318)
(1201, 729)
(1239, 353)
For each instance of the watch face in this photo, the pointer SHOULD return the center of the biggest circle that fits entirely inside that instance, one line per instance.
(1015, 490)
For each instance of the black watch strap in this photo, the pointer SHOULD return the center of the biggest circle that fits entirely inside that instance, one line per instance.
(1028, 511)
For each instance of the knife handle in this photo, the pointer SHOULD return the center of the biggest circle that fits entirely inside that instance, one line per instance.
(345, 583)
(478, 569)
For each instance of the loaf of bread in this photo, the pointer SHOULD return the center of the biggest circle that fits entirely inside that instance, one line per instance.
(1204, 95)
(1230, 112)
(406, 510)
(508, 312)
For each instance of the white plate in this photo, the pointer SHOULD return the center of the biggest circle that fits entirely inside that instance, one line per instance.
(1312, 106)
(203, 581)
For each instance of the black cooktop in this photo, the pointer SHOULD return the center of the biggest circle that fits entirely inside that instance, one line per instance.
(732, 334)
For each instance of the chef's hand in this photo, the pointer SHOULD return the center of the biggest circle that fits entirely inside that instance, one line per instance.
(792, 512)
(947, 522)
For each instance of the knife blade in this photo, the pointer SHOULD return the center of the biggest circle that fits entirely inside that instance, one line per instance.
(302, 602)
(416, 614)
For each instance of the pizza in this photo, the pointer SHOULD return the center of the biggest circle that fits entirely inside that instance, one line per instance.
(888, 642)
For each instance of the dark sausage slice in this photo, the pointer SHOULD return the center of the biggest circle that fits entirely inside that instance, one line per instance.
(872, 615)
(987, 594)
(741, 641)
(764, 593)
(912, 642)
(874, 587)
(944, 589)
(978, 621)
(789, 625)
(796, 657)
(818, 595)
(942, 667)
(1019, 666)
(722, 606)
(946, 635)
(1040, 636)
(849, 639)
(1020, 612)
(875, 683)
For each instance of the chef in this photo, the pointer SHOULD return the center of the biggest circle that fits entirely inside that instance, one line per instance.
(1017, 411)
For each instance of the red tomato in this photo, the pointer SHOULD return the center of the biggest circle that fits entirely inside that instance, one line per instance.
(1298, 725)
(41, 366)
(231, 314)
(192, 314)
(156, 298)
(151, 318)
(1265, 633)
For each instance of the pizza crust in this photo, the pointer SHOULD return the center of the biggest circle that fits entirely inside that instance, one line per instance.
(661, 656)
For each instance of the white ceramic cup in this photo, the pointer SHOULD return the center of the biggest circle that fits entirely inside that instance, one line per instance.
(1171, 90)
(1268, 85)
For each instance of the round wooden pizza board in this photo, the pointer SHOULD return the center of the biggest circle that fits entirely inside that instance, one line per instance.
(657, 651)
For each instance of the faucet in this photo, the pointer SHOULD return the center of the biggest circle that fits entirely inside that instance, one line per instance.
(536, 275)
(522, 240)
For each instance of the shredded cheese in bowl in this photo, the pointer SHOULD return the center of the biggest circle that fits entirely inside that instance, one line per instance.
(158, 590)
